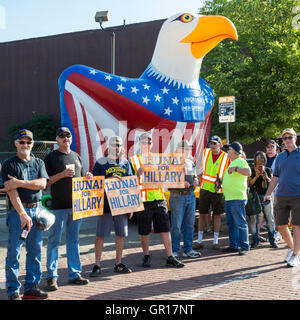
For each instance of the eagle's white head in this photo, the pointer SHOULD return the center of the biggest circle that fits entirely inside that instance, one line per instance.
(183, 41)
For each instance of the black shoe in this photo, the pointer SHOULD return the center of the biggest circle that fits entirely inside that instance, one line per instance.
(274, 245)
(254, 245)
(229, 249)
(14, 296)
(51, 285)
(173, 262)
(243, 251)
(96, 272)
(121, 268)
(80, 281)
(146, 261)
(35, 293)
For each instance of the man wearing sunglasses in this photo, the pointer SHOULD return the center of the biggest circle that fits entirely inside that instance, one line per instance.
(156, 210)
(62, 165)
(24, 177)
(286, 178)
(214, 164)
(112, 165)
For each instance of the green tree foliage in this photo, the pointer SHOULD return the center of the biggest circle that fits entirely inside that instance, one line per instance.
(261, 69)
(41, 125)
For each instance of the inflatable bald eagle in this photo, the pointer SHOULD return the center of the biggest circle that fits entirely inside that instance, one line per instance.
(169, 99)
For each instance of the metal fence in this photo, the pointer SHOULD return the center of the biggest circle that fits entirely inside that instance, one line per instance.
(39, 150)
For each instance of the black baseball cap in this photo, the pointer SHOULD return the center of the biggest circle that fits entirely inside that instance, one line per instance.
(24, 133)
(62, 130)
(215, 138)
(236, 146)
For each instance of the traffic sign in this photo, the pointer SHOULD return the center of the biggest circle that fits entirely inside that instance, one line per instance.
(227, 109)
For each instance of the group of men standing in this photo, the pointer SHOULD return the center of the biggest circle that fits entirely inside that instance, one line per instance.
(222, 178)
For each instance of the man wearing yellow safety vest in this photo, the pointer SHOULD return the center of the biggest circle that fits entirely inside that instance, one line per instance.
(214, 163)
(156, 210)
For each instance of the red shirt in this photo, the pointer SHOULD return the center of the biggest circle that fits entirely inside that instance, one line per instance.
(215, 156)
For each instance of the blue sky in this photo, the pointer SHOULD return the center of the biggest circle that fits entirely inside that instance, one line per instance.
(23, 19)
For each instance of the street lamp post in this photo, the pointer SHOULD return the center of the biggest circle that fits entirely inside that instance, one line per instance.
(103, 16)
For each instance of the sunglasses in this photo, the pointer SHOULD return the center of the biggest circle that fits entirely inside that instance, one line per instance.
(61, 136)
(287, 138)
(25, 142)
(212, 142)
(270, 147)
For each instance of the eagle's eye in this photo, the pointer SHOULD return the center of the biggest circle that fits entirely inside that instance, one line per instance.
(186, 18)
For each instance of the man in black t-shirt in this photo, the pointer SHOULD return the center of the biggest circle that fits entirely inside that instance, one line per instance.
(62, 165)
(24, 176)
(111, 166)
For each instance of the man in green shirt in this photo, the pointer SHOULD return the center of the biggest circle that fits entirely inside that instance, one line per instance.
(235, 192)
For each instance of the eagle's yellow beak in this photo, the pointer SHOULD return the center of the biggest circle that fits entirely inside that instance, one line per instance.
(209, 31)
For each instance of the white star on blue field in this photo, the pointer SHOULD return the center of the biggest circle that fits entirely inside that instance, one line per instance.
(163, 97)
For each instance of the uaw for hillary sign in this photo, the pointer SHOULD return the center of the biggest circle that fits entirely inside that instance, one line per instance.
(87, 196)
(123, 195)
(163, 170)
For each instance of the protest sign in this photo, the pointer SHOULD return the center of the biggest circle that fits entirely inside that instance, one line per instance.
(87, 197)
(123, 195)
(163, 170)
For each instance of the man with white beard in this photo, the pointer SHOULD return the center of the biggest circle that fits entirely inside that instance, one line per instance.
(24, 177)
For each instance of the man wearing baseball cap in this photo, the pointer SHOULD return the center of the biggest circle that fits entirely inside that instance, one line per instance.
(286, 178)
(156, 210)
(62, 165)
(24, 177)
(214, 163)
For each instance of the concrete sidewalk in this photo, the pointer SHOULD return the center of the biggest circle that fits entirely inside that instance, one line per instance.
(259, 275)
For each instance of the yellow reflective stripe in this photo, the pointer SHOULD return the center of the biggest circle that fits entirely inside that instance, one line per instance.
(222, 166)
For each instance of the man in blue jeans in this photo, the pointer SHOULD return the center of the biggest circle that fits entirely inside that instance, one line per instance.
(235, 192)
(24, 177)
(62, 165)
(183, 205)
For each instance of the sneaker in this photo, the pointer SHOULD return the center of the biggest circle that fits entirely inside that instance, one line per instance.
(191, 254)
(262, 239)
(51, 285)
(274, 245)
(216, 246)
(289, 254)
(243, 251)
(96, 272)
(79, 281)
(175, 255)
(35, 293)
(197, 245)
(121, 268)
(14, 296)
(146, 261)
(229, 249)
(293, 261)
(173, 262)
(278, 236)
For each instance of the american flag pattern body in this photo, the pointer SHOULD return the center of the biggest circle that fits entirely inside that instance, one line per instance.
(96, 105)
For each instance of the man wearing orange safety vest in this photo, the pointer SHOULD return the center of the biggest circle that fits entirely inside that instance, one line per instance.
(214, 164)
(156, 210)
